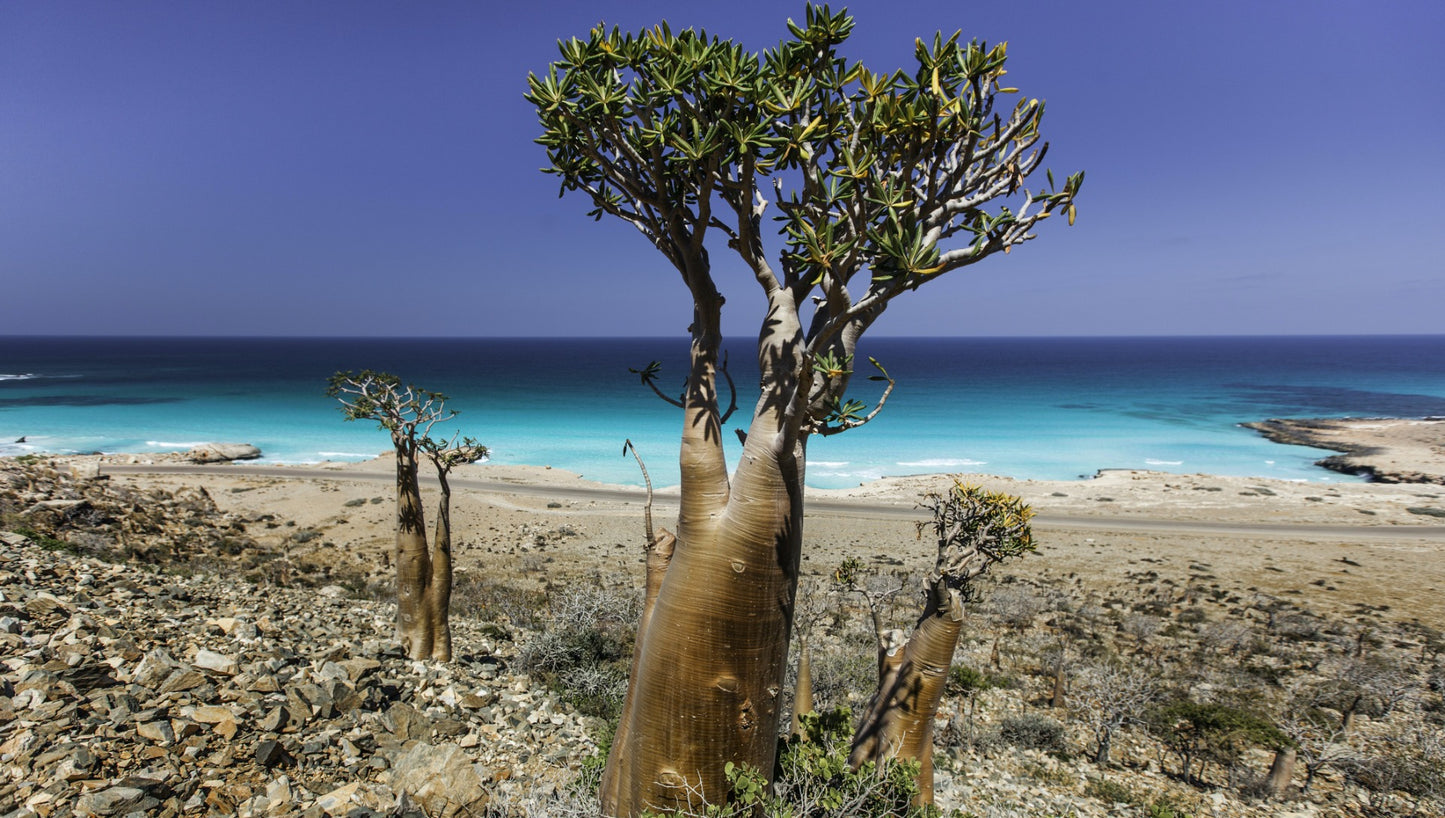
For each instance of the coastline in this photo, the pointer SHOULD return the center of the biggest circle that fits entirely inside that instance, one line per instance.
(1057, 410)
(1386, 450)
(1337, 545)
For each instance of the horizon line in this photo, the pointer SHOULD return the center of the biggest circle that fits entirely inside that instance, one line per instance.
(1060, 337)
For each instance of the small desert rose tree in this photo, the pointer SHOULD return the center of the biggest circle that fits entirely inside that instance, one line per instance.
(881, 183)
(973, 529)
(423, 573)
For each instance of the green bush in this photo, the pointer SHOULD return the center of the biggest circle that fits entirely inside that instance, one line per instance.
(43, 540)
(1206, 732)
(1165, 807)
(1111, 792)
(584, 652)
(1033, 731)
(814, 768)
(1191, 616)
(964, 680)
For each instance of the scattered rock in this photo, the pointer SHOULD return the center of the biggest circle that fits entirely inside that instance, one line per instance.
(114, 801)
(271, 754)
(443, 780)
(124, 691)
(222, 452)
(219, 663)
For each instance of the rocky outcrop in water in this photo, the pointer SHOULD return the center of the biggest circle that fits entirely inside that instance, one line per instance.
(1386, 450)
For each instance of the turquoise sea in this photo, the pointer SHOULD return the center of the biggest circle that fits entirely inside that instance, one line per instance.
(1055, 408)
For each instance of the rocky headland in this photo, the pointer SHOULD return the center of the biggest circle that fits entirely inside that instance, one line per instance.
(1387, 450)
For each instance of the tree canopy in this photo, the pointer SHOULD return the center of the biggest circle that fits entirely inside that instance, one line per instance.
(881, 180)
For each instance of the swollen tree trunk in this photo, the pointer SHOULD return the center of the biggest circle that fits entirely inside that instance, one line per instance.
(659, 549)
(898, 723)
(803, 691)
(975, 529)
(1347, 721)
(437, 598)
(711, 655)
(1281, 770)
(413, 557)
(1106, 743)
(423, 574)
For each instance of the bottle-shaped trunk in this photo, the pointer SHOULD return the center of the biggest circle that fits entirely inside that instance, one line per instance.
(1106, 742)
(898, 723)
(711, 656)
(423, 571)
(1281, 770)
(437, 598)
(1347, 721)
(413, 560)
(803, 691)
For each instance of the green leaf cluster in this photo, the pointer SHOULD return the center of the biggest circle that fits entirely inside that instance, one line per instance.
(966, 681)
(848, 571)
(633, 119)
(872, 169)
(969, 522)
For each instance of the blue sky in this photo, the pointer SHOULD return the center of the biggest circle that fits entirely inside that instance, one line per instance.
(367, 168)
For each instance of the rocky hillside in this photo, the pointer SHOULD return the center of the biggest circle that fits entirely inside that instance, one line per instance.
(154, 660)
(127, 690)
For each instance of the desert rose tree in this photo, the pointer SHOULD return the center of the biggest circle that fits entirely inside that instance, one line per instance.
(880, 183)
(973, 529)
(423, 572)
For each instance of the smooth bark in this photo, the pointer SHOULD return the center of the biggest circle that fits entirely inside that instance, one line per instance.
(438, 595)
(423, 571)
(1281, 770)
(713, 651)
(802, 691)
(413, 559)
(898, 723)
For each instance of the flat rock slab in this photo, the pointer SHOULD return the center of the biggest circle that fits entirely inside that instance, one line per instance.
(222, 452)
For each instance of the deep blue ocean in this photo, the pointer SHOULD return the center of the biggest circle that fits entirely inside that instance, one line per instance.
(1053, 408)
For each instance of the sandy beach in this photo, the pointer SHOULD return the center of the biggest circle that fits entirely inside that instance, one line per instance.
(1336, 545)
